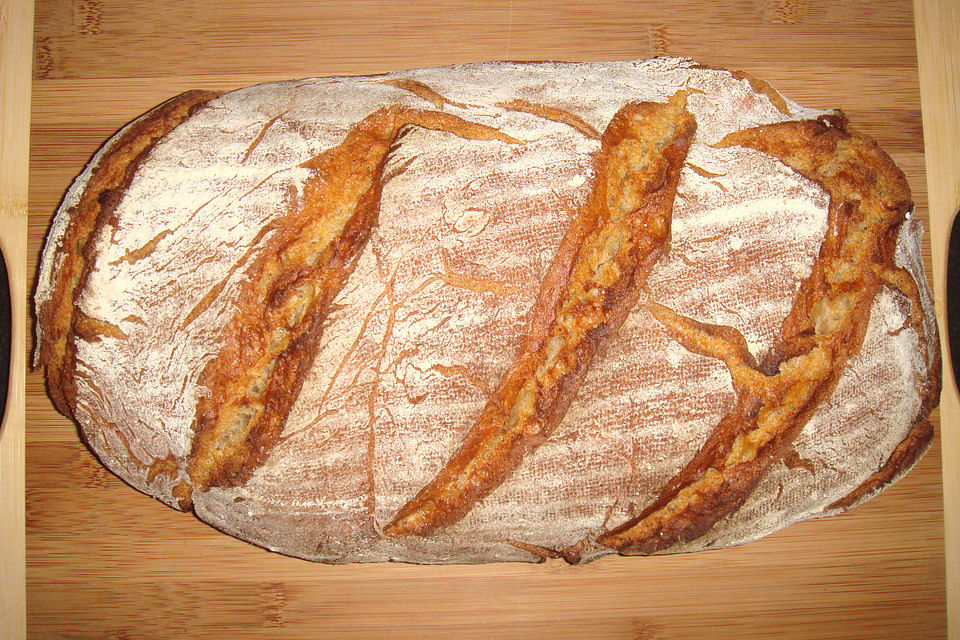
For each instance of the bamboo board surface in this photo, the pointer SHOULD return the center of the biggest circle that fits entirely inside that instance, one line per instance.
(104, 561)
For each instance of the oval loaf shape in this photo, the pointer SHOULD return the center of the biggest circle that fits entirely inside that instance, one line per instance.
(493, 312)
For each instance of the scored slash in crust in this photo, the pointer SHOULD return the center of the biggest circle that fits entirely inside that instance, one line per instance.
(869, 198)
(610, 247)
(272, 340)
(102, 193)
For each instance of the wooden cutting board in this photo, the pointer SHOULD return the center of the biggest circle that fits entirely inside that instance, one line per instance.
(103, 561)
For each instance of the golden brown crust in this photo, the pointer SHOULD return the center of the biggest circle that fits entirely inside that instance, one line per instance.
(100, 196)
(612, 244)
(255, 379)
(868, 200)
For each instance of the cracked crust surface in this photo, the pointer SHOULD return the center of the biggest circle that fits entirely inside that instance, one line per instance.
(436, 307)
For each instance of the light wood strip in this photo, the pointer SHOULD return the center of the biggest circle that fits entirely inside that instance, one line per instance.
(16, 29)
(938, 49)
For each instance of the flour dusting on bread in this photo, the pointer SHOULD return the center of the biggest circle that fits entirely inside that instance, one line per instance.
(438, 301)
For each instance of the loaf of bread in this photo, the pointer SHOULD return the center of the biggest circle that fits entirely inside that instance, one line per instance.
(493, 312)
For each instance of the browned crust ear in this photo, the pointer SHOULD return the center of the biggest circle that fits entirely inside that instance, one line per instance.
(869, 197)
(272, 340)
(95, 209)
(611, 245)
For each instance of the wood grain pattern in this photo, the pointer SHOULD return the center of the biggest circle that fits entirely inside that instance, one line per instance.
(16, 25)
(106, 562)
(938, 48)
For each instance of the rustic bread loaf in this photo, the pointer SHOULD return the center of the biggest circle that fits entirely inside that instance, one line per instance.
(493, 312)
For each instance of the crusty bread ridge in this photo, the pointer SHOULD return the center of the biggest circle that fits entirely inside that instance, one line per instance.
(488, 312)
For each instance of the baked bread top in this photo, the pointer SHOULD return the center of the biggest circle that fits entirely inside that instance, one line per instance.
(306, 309)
